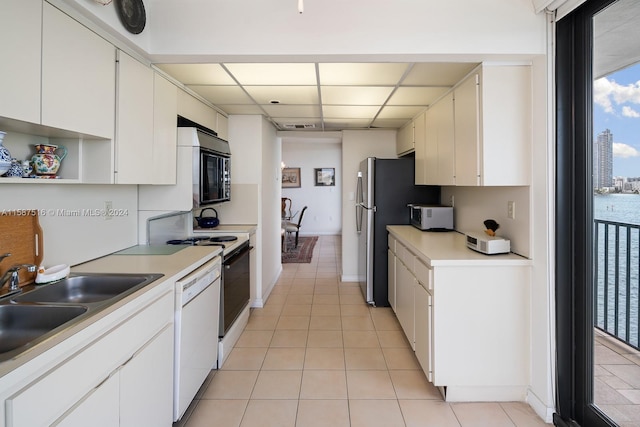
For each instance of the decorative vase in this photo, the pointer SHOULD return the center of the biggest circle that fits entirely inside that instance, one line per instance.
(5, 156)
(15, 170)
(45, 161)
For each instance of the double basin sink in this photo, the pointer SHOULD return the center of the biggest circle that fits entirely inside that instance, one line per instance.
(29, 318)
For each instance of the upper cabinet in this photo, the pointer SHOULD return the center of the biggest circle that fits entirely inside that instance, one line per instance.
(197, 111)
(134, 134)
(78, 76)
(479, 133)
(165, 111)
(405, 142)
(436, 149)
(492, 116)
(21, 59)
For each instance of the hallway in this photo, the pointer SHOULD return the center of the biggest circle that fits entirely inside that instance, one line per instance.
(317, 355)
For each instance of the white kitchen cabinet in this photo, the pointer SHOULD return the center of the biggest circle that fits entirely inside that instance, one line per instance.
(391, 281)
(493, 127)
(423, 332)
(405, 283)
(100, 408)
(405, 140)
(454, 304)
(439, 144)
(128, 351)
(146, 384)
(165, 111)
(197, 111)
(135, 119)
(78, 76)
(21, 50)
(222, 126)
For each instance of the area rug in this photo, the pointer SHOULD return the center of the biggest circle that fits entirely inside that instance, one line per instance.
(301, 254)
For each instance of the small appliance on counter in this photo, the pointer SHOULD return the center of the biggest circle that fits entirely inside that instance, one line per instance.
(489, 245)
(431, 217)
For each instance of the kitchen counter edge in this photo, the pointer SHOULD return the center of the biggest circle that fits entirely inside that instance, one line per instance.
(449, 249)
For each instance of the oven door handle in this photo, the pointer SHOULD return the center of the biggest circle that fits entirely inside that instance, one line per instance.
(236, 257)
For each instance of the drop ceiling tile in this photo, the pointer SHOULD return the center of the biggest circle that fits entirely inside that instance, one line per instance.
(361, 74)
(292, 110)
(198, 74)
(424, 96)
(284, 94)
(394, 112)
(222, 94)
(274, 74)
(355, 95)
(241, 109)
(437, 74)
(354, 112)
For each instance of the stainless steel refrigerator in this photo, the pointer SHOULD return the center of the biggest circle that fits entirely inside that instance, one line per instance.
(384, 189)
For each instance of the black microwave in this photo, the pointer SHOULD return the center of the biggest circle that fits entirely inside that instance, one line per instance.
(215, 176)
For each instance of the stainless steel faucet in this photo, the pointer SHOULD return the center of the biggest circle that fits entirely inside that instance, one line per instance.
(11, 276)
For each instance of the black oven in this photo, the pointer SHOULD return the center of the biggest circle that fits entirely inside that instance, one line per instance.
(235, 287)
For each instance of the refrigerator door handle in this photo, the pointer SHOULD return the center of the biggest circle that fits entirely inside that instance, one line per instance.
(359, 210)
(359, 194)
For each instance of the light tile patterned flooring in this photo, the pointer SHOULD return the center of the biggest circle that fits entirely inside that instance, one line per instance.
(617, 380)
(317, 355)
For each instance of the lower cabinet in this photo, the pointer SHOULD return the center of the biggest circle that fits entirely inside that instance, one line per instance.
(391, 280)
(481, 312)
(123, 377)
(423, 332)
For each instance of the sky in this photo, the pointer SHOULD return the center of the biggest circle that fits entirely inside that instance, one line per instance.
(616, 99)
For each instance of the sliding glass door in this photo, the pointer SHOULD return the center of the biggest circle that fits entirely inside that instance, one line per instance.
(598, 214)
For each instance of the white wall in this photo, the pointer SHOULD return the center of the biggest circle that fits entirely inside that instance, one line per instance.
(70, 238)
(475, 204)
(324, 212)
(356, 146)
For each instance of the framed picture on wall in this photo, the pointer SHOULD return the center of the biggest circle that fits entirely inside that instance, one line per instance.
(291, 178)
(325, 176)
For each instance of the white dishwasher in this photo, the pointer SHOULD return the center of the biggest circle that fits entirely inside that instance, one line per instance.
(196, 332)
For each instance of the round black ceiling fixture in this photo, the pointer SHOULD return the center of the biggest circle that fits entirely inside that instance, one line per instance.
(132, 15)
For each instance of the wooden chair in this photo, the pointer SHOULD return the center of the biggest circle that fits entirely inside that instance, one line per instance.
(291, 227)
(286, 208)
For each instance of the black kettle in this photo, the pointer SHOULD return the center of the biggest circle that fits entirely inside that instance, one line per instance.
(208, 221)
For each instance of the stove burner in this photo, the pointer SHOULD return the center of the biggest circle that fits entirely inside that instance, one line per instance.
(223, 238)
(189, 241)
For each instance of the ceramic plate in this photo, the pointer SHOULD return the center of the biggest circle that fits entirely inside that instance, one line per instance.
(132, 15)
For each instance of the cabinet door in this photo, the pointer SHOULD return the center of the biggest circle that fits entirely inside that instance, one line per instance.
(391, 259)
(423, 325)
(443, 118)
(405, 139)
(146, 384)
(431, 162)
(197, 111)
(100, 408)
(78, 76)
(20, 50)
(467, 133)
(422, 150)
(405, 283)
(134, 138)
(165, 110)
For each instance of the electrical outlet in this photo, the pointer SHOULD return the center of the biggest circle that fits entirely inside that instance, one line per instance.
(451, 200)
(108, 209)
(511, 210)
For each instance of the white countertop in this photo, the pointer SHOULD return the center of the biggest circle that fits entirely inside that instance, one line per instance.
(173, 267)
(449, 248)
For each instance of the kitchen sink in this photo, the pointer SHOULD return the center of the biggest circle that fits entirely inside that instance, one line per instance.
(22, 324)
(87, 288)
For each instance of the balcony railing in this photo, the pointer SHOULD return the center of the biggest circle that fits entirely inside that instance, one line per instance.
(616, 273)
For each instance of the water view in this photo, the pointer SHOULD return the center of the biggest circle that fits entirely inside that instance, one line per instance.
(617, 267)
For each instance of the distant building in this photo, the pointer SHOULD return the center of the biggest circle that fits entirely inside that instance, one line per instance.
(603, 160)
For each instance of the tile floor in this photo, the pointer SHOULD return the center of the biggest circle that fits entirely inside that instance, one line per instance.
(617, 380)
(317, 355)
